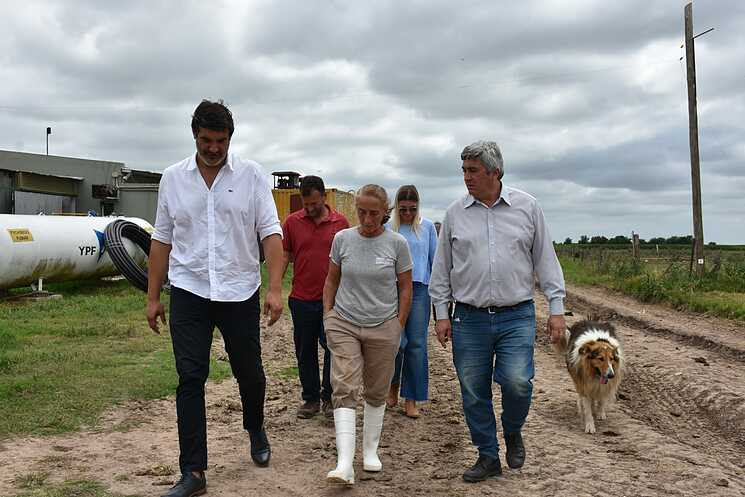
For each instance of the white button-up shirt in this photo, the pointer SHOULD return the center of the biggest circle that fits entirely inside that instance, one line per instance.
(212, 231)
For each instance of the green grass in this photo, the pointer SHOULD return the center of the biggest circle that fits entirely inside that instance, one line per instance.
(718, 292)
(36, 485)
(63, 362)
(288, 373)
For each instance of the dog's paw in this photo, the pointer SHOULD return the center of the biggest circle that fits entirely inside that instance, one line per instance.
(602, 416)
(590, 428)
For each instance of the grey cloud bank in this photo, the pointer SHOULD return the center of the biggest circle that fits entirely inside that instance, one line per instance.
(586, 99)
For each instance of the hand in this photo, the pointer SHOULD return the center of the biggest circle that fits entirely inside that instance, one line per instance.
(273, 305)
(155, 309)
(444, 331)
(556, 327)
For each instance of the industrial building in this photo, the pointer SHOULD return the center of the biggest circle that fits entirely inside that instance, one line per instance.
(48, 184)
(286, 193)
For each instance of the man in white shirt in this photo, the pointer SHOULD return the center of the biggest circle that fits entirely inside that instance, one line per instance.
(211, 207)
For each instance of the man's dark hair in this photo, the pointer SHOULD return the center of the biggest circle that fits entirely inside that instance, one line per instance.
(310, 183)
(212, 115)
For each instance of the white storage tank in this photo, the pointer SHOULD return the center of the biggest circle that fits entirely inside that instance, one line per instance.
(58, 248)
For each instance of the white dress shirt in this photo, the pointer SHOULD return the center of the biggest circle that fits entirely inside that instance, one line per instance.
(212, 231)
(487, 256)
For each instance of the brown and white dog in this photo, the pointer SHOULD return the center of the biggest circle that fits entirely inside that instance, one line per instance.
(594, 358)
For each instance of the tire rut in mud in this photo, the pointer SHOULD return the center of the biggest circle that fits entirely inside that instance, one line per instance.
(704, 416)
(607, 313)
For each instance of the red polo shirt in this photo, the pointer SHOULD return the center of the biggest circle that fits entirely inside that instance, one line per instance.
(310, 246)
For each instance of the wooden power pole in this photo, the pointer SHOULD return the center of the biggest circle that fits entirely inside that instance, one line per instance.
(698, 223)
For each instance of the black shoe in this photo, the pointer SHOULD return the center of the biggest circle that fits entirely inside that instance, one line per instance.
(515, 450)
(485, 467)
(188, 486)
(260, 450)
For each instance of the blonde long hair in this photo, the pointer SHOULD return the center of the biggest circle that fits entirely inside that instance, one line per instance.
(407, 192)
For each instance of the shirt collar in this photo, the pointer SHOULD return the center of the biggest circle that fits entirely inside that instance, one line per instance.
(332, 214)
(504, 195)
(193, 162)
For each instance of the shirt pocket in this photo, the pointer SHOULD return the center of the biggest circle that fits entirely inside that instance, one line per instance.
(462, 244)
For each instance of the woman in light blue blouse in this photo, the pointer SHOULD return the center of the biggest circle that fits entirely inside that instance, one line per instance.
(412, 365)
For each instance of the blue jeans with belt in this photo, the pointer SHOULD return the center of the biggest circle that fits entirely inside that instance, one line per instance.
(494, 344)
(412, 363)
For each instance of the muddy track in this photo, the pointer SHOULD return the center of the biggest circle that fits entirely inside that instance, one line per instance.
(695, 399)
(676, 430)
(701, 341)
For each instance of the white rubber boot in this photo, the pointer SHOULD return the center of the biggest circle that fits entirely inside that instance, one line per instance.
(345, 425)
(373, 425)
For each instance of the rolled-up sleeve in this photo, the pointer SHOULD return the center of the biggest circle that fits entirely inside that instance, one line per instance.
(163, 220)
(440, 289)
(267, 220)
(546, 265)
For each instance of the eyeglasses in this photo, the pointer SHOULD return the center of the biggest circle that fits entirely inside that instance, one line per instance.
(404, 210)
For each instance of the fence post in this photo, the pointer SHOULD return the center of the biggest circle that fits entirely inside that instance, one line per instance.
(635, 244)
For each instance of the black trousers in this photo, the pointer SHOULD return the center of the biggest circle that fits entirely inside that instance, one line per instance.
(307, 321)
(193, 320)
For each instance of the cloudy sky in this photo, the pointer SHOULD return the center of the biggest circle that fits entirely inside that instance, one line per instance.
(587, 99)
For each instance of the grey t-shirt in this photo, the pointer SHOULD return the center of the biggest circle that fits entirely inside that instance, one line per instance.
(368, 290)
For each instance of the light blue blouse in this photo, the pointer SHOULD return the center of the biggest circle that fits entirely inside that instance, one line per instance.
(422, 246)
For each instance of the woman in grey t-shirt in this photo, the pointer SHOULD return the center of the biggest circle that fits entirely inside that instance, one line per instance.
(366, 301)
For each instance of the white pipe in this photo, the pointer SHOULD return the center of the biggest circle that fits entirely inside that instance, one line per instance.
(57, 248)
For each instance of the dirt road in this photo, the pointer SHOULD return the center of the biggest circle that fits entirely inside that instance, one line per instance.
(678, 428)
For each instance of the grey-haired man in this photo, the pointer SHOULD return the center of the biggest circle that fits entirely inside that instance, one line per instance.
(492, 242)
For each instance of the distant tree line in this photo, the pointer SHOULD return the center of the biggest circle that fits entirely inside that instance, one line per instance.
(625, 240)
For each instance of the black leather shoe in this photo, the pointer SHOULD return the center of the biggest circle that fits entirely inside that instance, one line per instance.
(485, 467)
(261, 452)
(188, 486)
(515, 450)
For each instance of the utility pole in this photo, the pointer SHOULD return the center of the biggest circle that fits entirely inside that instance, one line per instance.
(698, 223)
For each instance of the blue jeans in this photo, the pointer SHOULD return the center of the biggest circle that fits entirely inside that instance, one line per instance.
(412, 358)
(307, 322)
(496, 347)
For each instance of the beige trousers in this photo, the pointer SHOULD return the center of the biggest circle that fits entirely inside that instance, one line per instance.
(362, 359)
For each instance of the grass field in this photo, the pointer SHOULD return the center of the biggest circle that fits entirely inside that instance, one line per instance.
(63, 362)
(664, 276)
(37, 485)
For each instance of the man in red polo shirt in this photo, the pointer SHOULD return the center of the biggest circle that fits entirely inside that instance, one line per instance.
(308, 234)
